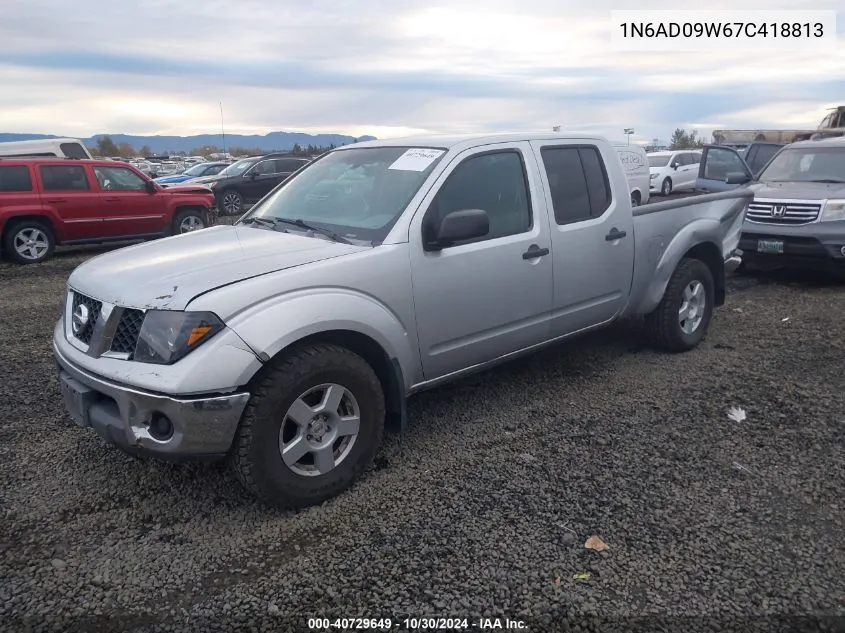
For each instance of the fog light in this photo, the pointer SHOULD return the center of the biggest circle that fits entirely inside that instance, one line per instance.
(161, 428)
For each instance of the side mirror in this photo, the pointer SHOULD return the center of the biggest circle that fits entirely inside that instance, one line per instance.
(675, 166)
(461, 225)
(252, 175)
(151, 186)
(736, 178)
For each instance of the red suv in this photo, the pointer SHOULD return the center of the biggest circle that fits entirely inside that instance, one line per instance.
(50, 201)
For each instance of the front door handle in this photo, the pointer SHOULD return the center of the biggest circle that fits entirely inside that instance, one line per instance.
(615, 234)
(54, 200)
(111, 199)
(534, 252)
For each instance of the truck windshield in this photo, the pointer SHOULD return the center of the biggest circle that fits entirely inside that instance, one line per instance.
(357, 193)
(807, 164)
(658, 161)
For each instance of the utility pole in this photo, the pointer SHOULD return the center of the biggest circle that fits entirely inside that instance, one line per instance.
(222, 129)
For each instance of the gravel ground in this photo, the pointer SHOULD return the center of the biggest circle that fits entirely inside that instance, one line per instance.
(481, 510)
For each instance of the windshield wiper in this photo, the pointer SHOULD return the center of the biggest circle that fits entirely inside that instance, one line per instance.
(828, 181)
(316, 229)
(262, 221)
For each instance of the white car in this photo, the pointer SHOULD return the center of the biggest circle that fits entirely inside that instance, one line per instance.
(635, 164)
(673, 171)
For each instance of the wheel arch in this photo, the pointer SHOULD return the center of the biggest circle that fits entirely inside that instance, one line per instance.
(388, 370)
(17, 219)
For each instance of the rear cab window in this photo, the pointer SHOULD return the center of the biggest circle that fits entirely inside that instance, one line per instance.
(15, 179)
(578, 182)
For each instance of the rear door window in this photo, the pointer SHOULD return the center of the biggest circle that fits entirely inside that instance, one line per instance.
(578, 183)
(15, 178)
(64, 178)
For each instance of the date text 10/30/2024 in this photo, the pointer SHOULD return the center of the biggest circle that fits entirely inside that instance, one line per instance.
(415, 624)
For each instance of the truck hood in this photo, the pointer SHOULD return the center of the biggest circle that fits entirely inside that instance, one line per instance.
(167, 274)
(798, 190)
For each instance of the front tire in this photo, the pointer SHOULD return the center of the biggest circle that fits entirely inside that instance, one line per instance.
(311, 428)
(29, 242)
(188, 220)
(682, 317)
(666, 187)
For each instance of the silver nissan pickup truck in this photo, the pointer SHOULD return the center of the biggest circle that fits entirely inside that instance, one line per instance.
(287, 342)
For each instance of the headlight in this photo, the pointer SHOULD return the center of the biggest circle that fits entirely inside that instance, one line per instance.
(212, 184)
(833, 210)
(652, 176)
(168, 335)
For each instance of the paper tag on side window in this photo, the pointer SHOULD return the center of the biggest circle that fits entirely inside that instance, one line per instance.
(416, 159)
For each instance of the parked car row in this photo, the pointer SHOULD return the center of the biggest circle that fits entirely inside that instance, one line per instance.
(51, 201)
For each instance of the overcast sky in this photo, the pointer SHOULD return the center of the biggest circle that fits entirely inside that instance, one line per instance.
(386, 68)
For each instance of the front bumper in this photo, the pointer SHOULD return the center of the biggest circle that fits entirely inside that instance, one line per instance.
(200, 426)
(815, 245)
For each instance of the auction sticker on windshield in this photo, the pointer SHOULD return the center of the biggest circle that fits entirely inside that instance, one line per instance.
(416, 159)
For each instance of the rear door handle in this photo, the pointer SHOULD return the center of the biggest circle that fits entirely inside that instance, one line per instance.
(112, 199)
(534, 252)
(615, 234)
(57, 200)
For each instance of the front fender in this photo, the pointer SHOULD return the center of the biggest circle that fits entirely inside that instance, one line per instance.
(275, 324)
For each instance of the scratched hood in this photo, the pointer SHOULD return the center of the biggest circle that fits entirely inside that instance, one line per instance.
(169, 273)
(798, 190)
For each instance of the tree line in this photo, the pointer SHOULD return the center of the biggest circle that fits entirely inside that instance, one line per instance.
(681, 139)
(107, 147)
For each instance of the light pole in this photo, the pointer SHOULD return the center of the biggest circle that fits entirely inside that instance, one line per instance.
(628, 131)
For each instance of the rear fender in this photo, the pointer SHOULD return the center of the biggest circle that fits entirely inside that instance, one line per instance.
(710, 239)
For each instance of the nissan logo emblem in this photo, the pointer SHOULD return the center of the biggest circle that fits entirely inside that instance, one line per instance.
(79, 318)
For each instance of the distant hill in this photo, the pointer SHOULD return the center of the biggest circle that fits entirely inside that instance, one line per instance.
(164, 144)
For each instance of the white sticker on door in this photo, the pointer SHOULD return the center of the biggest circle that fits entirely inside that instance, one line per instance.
(416, 159)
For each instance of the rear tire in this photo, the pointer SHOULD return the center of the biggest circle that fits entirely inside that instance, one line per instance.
(28, 242)
(635, 199)
(666, 187)
(280, 399)
(682, 317)
(231, 202)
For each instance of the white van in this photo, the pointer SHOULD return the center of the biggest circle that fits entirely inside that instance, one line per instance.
(635, 163)
(61, 147)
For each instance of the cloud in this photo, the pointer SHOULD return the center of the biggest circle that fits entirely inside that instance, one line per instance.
(387, 68)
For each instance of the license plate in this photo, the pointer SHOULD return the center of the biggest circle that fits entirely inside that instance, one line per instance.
(770, 247)
(77, 399)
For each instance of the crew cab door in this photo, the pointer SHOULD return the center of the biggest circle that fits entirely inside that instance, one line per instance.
(67, 191)
(719, 162)
(592, 233)
(482, 298)
(130, 209)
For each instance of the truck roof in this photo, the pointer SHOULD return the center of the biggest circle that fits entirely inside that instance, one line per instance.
(448, 141)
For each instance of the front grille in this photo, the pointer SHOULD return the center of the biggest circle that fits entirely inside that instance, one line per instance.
(83, 331)
(789, 213)
(128, 329)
